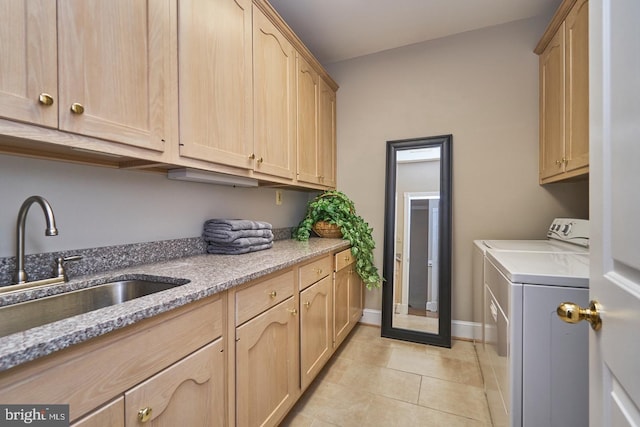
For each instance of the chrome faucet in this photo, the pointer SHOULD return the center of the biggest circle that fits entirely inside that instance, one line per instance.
(51, 230)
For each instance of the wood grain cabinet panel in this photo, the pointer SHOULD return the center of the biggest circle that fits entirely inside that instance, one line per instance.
(215, 81)
(307, 124)
(316, 326)
(191, 392)
(111, 414)
(28, 65)
(564, 94)
(327, 135)
(115, 62)
(267, 366)
(274, 99)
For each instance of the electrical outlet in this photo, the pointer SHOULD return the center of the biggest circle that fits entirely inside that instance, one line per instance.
(278, 197)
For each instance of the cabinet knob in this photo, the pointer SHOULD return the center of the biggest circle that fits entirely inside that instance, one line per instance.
(144, 414)
(293, 311)
(307, 304)
(558, 163)
(565, 160)
(45, 99)
(252, 156)
(260, 160)
(77, 108)
(318, 271)
(273, 294)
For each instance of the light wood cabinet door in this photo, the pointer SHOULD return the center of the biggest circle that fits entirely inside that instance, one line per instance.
(115, 63)
(577, 87)
(327, 135)
(552, 107)
(267, 366)
(274, 99)
(316, 324)
(340, 306)
(28, 64)
(189, 393)
(215, 81)
(111, 414)
(307, 124)
(355, 296)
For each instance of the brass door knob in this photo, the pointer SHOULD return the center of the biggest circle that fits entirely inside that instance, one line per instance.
(144, 414)
(77, 108)
(573, 313)
(273, 294)
(45, 99)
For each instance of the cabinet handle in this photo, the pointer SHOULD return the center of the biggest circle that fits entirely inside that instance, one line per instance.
(273, 294)
(565, 160)
(318, 271)
(77, 108)
(252, 156)
(347, 259)
(293, 311)
(144, 414)
(307, 304)
(260, 160)
(45, 99)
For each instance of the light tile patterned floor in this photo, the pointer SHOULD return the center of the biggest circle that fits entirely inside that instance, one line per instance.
(374, 381)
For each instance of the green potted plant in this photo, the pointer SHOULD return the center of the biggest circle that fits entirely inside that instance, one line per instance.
(333, 209)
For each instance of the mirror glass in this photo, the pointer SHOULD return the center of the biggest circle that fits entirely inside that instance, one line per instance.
(417, 252)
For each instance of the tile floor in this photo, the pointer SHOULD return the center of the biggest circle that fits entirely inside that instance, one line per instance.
(374, 381)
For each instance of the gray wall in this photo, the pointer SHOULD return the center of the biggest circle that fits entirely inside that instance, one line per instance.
(480, 86)
(97, 206)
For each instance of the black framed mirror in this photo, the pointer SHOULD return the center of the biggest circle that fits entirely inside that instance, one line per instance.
(416, 294)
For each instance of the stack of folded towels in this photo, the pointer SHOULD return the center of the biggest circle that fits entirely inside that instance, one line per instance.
(237, 236)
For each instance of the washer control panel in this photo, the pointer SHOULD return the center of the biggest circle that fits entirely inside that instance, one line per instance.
(570, 230)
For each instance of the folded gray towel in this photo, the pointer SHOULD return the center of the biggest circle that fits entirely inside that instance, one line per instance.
(243, 242)
(236, 224)
(224, 236)
(227, 250)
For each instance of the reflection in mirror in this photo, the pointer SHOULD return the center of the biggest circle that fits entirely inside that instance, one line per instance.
(416, 293)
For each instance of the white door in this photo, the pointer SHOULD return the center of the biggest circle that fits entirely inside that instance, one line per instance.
(614, 350)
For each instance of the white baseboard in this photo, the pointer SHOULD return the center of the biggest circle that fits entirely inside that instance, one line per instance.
(459, 328)
(371, 317)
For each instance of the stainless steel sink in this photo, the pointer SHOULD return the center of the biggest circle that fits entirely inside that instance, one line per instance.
(29, 314)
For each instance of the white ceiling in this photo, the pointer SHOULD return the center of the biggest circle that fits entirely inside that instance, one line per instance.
(335, 30)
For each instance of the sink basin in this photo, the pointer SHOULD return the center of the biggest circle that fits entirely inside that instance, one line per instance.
(29, 314)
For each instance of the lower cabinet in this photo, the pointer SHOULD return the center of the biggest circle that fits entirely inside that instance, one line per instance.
(316, 327)
(347, 296)
(111, 414)
(266, 366)
(191, 392)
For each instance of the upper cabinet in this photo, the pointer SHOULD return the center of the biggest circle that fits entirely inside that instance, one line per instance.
(274, 99)
(215, 82)
(564, 94)
(114, 66)
(327, 135)
(207, 84)
(316, 143)
(28, 69)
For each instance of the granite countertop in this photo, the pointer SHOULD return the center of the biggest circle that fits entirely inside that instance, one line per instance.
(207, 275)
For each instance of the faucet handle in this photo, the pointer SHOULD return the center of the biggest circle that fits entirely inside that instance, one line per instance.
(60, 261)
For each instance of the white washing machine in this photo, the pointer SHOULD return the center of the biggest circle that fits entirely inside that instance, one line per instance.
(564, 235)
(540, 362)
(505, 272)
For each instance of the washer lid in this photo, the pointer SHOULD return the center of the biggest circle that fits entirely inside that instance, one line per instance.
(535, 246)
(543, 268)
